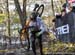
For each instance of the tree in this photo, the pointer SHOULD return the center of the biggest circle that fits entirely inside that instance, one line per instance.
(24, 10)
(22, 13)
(52, 7)
(8, 16)
(8, 23)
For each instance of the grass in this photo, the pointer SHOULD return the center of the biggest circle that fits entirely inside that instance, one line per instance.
(58, 46)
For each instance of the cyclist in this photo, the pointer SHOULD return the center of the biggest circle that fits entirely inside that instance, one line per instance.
(37, 31)
(25, 30)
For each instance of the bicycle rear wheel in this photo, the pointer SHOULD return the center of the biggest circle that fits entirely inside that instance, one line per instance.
(41, 7)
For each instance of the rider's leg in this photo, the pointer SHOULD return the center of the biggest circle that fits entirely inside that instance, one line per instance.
(28, 43)
(40, 44)
(33, 44)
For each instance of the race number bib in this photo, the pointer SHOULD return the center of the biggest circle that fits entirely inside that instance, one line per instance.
(63, 29)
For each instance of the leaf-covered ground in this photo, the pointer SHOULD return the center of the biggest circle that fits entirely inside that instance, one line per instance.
(57, 46)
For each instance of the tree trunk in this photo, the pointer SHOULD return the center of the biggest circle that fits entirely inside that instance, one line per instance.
(8, 16)
(8, 21)
(22, 14)
(52, 7)
(24, 11)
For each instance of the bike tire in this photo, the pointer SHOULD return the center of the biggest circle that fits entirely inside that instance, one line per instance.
(41, 6)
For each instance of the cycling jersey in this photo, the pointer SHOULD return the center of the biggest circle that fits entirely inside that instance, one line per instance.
(38, 24)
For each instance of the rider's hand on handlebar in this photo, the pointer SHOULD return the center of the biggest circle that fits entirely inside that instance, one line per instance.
(38, 34)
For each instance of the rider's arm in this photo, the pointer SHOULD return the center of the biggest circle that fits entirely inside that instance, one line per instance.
(42, 25)
(41, 28)
(41, 21)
